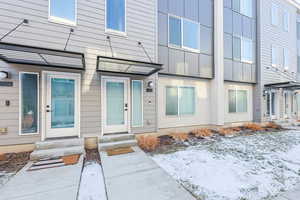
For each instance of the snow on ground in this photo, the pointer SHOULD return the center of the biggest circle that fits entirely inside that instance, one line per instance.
(255, 167)
(4, 177)
(92, 185)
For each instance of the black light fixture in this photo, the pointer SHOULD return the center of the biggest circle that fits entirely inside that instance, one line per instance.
(3, 75)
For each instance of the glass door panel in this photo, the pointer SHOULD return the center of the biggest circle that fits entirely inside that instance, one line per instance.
(115, 103)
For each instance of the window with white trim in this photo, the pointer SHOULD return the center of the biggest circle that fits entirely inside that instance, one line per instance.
(180, 100)
(274, 14)
(274, 56)
(286, 21)
(237, 101)
(286, 55)
(29, 103)
(246, 50)
(63, 11)
(184, 33)
(116, 15)
(137, 103)
(247, 8)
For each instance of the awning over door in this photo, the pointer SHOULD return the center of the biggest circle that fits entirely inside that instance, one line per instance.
(124, 66)
(29, 55)
(291, 85)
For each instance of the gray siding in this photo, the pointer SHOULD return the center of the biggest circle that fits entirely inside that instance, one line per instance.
(89, 37)
(236, 25)
(177, 60)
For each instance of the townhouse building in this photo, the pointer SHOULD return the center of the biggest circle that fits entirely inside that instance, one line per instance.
(79, 68)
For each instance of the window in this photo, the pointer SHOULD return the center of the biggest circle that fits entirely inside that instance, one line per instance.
(116, 15)
(180, 100)
(271, 101)
(274, 56)
(137, 103)
(191, 34)
(286, 21)
(274, 15)
(247, 8)
(175, 31)
(29, 103)
(286, 59)
(237, 48)
(237, 101)
(247, 50)
(63, 11)
(184, 33)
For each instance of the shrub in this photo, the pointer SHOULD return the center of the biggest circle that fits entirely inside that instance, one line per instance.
(148, 142)
(227, 131)
(253, 127)
(182, 137)
(272, 125)
(203, 132)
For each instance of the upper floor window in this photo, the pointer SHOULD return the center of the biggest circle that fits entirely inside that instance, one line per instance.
(63, 11)
(116, 15)
(286, 58)
(247, 8)
(286, 21)
(246, 50)
(274, 15)
(184, 33)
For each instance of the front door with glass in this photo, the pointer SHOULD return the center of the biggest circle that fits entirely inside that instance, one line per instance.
(115, 104)
(62, 105)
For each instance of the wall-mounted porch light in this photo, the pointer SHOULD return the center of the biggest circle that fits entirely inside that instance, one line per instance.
(3, 75)
(150, 85)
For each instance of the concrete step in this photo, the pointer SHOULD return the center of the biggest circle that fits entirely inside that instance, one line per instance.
(60, 143)
(56, 153)
(118, 144)
(116, 138)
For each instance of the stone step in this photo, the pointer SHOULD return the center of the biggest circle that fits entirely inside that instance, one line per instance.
(118, 144)
(56, 153)
(60, 143)
(116, 137)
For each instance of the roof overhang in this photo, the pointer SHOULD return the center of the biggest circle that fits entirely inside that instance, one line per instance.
(124, 66)
(291, 85)
(30, 55)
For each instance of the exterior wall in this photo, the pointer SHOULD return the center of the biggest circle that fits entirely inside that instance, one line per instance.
(239, 117)
(177, 60)
(203, 103)
(270, 35)
(237, 25)
(89, 37)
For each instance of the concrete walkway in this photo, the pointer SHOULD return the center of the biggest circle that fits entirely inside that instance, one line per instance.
(135, 176)
(46, 184)
(290, 195)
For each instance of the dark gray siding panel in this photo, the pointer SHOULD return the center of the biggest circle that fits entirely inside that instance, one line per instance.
(228, 69)
(227, 3)
(253, 73)
(227, 20)
(163, 29)
(163, 58)
(176, 7)
(236, 5)
(206, 13)
(206, 66)
(191, 9)
(228, 46)
(176, 61)
(191, 64)
(163, 5)
(206, 40)
(237, 71)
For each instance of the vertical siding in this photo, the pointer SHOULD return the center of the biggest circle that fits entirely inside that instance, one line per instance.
(89, 37)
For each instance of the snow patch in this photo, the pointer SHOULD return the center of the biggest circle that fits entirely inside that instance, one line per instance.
(92, 185)
(255, 167)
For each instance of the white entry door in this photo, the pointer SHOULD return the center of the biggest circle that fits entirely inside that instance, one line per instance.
(115, 104)
(62, 104)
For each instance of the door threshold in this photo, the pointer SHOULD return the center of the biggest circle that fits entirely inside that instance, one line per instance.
(61, 138)
(116, 133)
